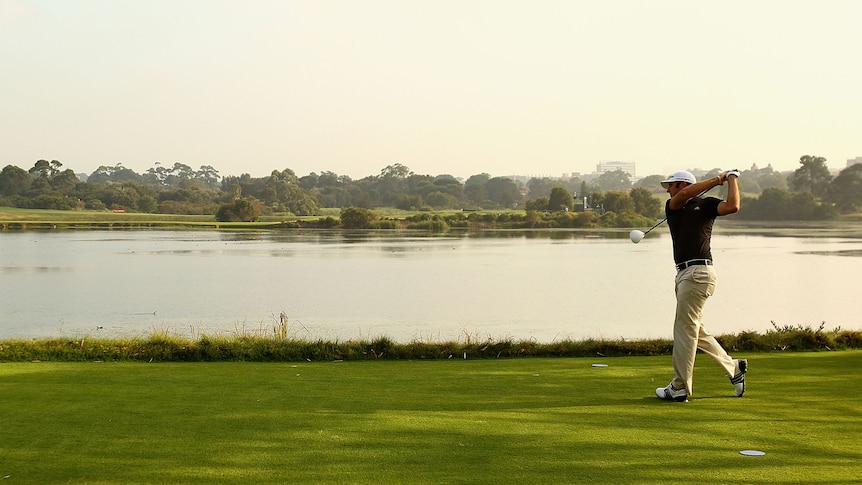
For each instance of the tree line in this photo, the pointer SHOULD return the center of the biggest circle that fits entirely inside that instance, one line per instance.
(810, 192)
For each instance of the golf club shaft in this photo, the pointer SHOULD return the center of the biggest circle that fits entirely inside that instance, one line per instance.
(655, 226)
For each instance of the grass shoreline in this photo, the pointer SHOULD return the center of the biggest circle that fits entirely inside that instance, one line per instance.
(16, 219)
(277, 347)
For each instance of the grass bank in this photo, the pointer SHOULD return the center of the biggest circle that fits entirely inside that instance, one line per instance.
(277, 347)
(40, 219)
(442, 421)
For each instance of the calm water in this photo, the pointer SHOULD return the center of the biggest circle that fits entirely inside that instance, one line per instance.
(545, 286)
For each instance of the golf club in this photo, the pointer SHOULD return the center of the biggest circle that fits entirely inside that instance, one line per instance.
(637, 236)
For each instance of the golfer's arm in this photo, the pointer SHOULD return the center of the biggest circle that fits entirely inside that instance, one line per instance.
(693, 190)
(731, 204)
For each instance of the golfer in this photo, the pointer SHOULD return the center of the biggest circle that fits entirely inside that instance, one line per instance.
(690, 218)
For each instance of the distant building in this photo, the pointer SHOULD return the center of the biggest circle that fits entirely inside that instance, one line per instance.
(627, 167)
(854, 161)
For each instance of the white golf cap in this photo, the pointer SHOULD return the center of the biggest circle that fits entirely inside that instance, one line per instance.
(681, 176)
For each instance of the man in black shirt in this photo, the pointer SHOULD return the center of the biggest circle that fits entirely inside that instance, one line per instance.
(690, 218)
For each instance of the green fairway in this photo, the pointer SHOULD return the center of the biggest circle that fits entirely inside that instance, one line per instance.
(444, 421)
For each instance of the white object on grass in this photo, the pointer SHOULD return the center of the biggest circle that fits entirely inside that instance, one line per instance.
(636, 236)
(751, 453)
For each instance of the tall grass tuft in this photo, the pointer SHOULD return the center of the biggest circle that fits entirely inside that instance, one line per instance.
(794, 338)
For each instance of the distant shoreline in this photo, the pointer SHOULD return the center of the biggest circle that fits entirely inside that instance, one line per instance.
(13, 219)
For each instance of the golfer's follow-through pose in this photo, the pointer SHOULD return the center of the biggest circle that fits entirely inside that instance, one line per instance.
(690, 219)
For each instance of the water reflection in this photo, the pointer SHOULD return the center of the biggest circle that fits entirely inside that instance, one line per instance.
(547, 284)
(32, 269)
(841, 252)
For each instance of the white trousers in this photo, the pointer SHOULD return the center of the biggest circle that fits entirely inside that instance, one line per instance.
(693, 286)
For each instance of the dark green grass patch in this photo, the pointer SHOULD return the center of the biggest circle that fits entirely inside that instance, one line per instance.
(441, 421)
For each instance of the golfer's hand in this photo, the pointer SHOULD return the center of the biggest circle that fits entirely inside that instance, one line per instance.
(727, 174)
(732, 173)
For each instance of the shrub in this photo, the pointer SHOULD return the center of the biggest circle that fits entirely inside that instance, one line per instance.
(356, 218)
(241, 210)
(385, 224)
(327, 222)
(435, 225)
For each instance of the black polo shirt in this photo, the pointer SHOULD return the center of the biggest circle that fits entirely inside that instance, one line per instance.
(691, 228)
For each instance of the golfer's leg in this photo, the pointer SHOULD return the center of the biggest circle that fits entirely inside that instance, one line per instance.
(690, 298)
(711, 347)
(706, 342)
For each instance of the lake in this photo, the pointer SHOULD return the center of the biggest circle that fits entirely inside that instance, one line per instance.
(542, 285)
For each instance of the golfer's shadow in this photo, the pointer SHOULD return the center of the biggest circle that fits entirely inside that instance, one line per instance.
(666, 402)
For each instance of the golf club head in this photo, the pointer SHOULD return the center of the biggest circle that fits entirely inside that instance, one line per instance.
(636, 236)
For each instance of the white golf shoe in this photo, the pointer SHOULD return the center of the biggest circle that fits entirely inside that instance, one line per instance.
(738, 380)
(671, 394)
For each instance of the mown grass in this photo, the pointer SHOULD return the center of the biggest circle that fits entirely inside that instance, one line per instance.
(277, 346)
(443, 421)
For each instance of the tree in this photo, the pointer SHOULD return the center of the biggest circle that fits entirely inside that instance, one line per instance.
(391, 183)
(651, 183)
(441, 200)
(122, 195)
(65, 181)
(503, 191)
(309, 181)
(614, 180)
(779, 204)
(45, 169)
(356, 218)
(759, 179)
(241, 210)
(208, 175)
(331, 179)
(540, 187)
(560, 199)
(281, 191)
(408, 202)
(298, 201)
(846, 189)
(14, 181)
(117, 173)
(474, 188)
(397, 170)
(537, 204)
(645, 202)
(618, 201)
(148, 203)
(169, 177)
(478, 179)
(813, 176)
(157, 175)
(182, 171)
(454, 190)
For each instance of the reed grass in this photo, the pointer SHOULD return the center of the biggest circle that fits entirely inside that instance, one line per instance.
(277, 346)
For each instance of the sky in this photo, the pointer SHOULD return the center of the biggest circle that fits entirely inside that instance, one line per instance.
(459, 87)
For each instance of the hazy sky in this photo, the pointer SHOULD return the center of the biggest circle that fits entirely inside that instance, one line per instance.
(533, 87)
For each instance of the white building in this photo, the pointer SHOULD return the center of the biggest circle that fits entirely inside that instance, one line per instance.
(627, 167)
